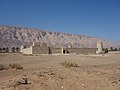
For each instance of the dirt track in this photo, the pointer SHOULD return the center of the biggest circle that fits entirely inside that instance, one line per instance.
(45, 72)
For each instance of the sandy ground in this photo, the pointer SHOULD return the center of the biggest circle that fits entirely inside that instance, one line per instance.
(45, 72)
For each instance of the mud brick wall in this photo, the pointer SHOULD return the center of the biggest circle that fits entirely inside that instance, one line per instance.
(51, 50)
(55, 50)
(40, 50)
(81, 50)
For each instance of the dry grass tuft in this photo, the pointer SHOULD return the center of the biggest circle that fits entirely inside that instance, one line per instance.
(3, 67)
(15, 66)
(69, 64)
(10, 66)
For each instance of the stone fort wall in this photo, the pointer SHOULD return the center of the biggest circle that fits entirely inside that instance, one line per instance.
(49, 50)
(42, 48)
(55, 50)
(81, 50)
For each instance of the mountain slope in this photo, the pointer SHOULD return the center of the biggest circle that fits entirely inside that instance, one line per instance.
(11, 36)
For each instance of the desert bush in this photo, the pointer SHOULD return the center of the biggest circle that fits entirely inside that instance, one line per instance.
(15, 66)
(3, 67)
(10, 66)
(69, 64)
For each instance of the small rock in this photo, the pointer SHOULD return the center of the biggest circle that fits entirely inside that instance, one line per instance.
(115, 82)
(62, 87)
(25, 79)
(82, 84)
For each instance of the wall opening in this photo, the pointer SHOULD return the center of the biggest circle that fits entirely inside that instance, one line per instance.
(65, 51)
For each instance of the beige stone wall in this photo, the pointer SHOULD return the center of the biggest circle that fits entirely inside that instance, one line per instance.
(47, 50)
(81, 50)
(27, 50)
(40, 50)
(55, 50)
(75, 50)
(100, 48)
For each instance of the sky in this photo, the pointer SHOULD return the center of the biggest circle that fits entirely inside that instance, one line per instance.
(99, 18)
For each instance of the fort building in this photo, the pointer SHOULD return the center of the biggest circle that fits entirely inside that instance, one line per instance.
(42, 48)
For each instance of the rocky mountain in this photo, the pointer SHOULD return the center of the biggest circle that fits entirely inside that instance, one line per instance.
(12, 36)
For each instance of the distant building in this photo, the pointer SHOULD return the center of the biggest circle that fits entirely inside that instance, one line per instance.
(42, 48)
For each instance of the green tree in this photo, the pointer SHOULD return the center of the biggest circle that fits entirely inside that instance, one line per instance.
(0, 49)
(111, 48)
(4, 50)
(13, 49)
(106, 50)
(7, 49)
(17, 49)
(115, 49)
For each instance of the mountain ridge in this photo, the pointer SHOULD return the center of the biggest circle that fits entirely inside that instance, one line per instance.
(14, 36)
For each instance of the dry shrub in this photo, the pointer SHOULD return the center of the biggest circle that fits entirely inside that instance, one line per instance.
(69, 64)
(15, 66)
(10, 66)
(3, 67)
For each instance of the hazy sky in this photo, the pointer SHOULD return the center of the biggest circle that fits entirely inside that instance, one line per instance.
(91, 17)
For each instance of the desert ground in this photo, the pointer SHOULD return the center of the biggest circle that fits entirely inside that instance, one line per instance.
(45, 72)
